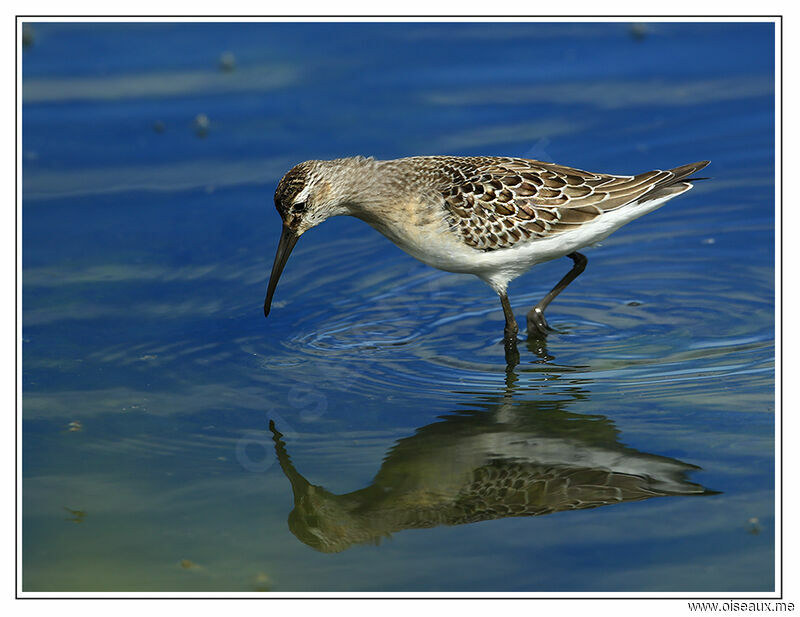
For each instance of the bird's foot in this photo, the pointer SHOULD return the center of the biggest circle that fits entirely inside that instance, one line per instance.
(538, 327)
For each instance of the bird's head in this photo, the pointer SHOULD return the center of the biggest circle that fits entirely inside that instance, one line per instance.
(307, 195)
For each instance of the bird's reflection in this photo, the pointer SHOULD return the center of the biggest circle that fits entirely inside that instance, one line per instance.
(504, 458)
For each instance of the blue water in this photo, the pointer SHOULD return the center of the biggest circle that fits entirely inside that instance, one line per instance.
(404, 456)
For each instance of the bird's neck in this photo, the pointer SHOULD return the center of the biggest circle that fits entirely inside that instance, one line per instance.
(383, 193)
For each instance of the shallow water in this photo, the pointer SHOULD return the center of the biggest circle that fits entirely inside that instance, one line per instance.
(409, 458)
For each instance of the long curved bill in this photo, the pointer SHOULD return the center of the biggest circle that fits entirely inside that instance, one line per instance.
(285, 246)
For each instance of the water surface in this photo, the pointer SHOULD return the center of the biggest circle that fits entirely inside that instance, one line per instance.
(634, 453)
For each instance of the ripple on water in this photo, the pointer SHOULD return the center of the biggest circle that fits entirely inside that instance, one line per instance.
(404, 326)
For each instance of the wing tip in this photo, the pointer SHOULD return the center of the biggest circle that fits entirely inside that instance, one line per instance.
(684, 171)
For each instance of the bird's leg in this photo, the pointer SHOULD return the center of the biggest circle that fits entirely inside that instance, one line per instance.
(510, 333)
(537, 325)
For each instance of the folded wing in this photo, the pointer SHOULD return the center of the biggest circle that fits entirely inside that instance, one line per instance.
(498, 202)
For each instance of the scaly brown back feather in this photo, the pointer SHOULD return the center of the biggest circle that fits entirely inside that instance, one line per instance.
(496, 202)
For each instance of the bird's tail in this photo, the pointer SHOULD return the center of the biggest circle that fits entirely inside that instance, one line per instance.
(684, 172)
(678, 182)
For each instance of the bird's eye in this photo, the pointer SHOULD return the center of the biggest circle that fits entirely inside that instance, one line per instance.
(299, 206)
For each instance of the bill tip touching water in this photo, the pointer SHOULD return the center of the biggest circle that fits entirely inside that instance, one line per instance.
(494, 217)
